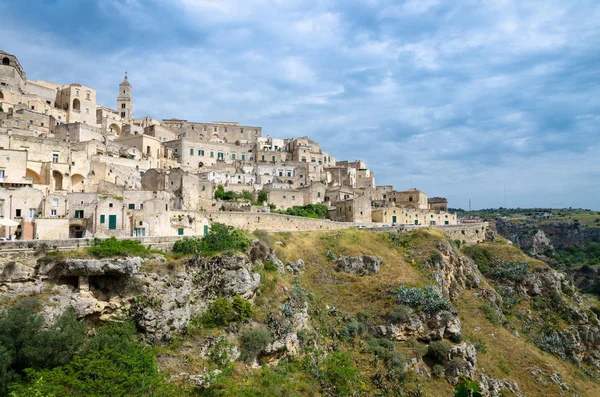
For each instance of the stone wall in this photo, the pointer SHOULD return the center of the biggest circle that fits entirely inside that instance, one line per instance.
(469, 233)
(274, 222)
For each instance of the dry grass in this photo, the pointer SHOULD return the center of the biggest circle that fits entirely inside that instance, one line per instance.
(519, 356)
(509, 252)
(348, 292)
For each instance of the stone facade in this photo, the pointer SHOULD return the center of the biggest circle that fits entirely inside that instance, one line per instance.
(71, 168)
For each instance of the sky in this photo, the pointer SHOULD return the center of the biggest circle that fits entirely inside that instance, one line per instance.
(496, 102)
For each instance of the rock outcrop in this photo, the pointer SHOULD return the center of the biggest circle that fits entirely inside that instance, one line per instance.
(362, 265)
(422, 326)
(91, 267)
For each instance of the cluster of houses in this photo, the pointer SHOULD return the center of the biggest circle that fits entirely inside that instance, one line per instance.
(70, 168)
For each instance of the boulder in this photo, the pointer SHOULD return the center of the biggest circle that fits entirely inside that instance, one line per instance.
(362, 265)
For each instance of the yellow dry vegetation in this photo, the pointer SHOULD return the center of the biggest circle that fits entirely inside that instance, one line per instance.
(348, 292)
(519, 356)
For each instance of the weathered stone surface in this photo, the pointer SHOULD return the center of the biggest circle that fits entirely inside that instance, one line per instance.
(14, 271)
(296, 267)
(92, 267)
(496, 387)
(462, 362)
(362, 265)
(422, 326)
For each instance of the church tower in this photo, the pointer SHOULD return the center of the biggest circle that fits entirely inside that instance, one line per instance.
(124, 101)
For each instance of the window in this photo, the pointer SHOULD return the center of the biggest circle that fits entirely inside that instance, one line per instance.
(110, 205)
(318, 194)
(41, 124)
(200, 152)
(191, 152)
(214, 129)
(180, 231)
(102, 218)
(78, 214)
(33, 108)
(52, 212)
(289, 173)
(141, 206)
(263, 157)
(122, 114)
(55, 202)
(87, 96)
(1, 174)
(54, 158)
(32, 213)
(203, 188)
(16, 123)
(122, 106)
(77, 92)
(243, 157)
(1, 209)
(293, 197)
(280, 173)
(131, 206)
(212, 154)
(410, 198)
(220, 156)
(273, 158)
(18, 213)
(233, 156)
(166, 207)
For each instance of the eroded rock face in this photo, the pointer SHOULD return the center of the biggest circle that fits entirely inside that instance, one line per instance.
(168, 302)
(160, 303)
(496, 387)
(362, 265)
(15, 271)
(454, 273)
(92, 267)
(463, 360)
(422, 326)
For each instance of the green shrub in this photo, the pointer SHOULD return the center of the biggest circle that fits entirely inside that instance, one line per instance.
(492, 314)
(438, 371)
(187, 246)
(510, 270)
(435, 257)
(341, 375)
(400, 315)
(112, 247)
(222, 238)
(480, 345)
(317, 211)
(26, 343)
(111, 364)
(270, 266)
(438, 351)
(455, 338)
(426, 299)
(483, 258)
(253, 342)
(222, 312)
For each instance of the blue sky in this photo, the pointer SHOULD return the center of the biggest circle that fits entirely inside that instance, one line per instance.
(462, 99)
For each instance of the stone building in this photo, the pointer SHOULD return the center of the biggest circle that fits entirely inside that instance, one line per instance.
(72, 168)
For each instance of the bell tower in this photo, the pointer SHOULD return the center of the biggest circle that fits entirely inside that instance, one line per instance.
(124, 101)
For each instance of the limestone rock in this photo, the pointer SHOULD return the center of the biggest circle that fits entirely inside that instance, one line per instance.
(496, 387)
(362, 265)
(92, 267)
(16, 272)
(463, 360)
(296, 267)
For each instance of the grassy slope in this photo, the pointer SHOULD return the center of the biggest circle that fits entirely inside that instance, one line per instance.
(507, 355)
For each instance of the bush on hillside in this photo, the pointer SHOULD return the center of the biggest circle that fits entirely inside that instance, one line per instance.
(253, 342)
(426, 299)
(438, 351)
(112, 247)
(316, 211)
(222, 238)
(222, 312)
(187, 246)
(112, 363)
(26, 343)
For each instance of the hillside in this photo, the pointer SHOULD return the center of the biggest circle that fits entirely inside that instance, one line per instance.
(349, 312)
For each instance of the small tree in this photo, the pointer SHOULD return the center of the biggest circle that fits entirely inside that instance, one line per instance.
(254, 341)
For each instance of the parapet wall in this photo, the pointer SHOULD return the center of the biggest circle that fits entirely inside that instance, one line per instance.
(275, 222)
(466, 232)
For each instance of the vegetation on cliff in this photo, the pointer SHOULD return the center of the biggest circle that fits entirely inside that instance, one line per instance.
(431, 314)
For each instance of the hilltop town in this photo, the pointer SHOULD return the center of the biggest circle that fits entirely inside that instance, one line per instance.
(72, 168)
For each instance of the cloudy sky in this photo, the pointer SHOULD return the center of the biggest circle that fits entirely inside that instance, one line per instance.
(464, 99)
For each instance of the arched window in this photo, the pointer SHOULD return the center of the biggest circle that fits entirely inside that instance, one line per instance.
(5, 61)
(76, 105)
(1, 95)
